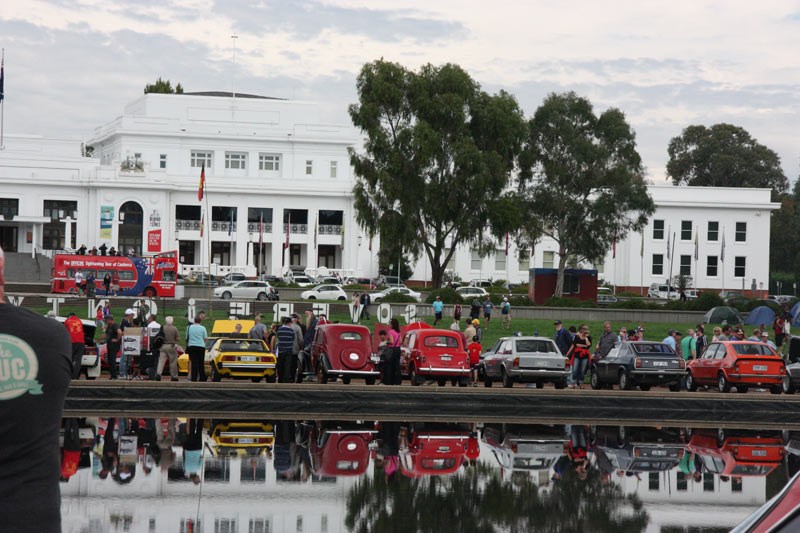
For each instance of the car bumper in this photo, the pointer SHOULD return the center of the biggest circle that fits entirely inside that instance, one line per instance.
(354, 372)
(443, 370)
(657, 376)
(523, 374)
(245, 367)
(756, 378)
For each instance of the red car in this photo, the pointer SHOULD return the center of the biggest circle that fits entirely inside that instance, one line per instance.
(738, 454)
(340, 452)
(739, 364)
(778, 515)
(344, 351)
(437, 452)
(437, 354)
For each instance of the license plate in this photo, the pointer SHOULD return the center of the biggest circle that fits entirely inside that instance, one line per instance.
(659, 453)
(375, 358)
(760, 368)
(245, 441)
(248, 358)
(759, 453)
(661, 363)
(446, 358)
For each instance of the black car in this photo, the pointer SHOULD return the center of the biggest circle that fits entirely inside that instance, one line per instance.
(791, 382)
(632, 363)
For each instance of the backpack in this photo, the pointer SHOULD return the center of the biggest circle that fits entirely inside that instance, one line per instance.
(158, 340)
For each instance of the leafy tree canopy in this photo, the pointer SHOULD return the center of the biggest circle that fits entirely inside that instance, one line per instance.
(163, 87)
(723, 156)
(439, 152)
(582, 179)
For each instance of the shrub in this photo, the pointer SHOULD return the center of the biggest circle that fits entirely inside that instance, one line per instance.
(448, 296)
(397, 298)
(569, 302)
(706, 301)
(635, 303)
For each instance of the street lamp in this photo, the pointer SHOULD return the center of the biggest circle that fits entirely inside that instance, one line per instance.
(358, 255)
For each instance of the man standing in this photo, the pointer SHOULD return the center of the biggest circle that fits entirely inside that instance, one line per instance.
(669, 340)
(488, 307)
(606, 341)
(365, 301)
(79, 282)
(153, 348)
(701, 341)
(169, 350)
(438, 309)
(31, 407)
(259, 330)
(196, 335)
(505, 313)
(74, 326)
(470, 331)
(689, 345)
(562, 337)
(113, 343)
(125, 362)
(286, 346)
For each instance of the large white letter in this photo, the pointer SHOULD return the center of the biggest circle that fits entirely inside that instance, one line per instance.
(385, 314)
(55, 302)
(355, 312)
(411, 313)
(281, 310)
(190, 311)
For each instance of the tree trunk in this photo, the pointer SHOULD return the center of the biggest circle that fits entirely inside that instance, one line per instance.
(562, 264)
(437, 273)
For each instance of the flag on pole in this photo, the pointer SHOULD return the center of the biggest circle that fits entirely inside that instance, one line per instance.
(316, 225)
(696, 244)
(202, 224)
(722, 251)
(260, 230)
(288, 225)
(230, 224)
(506, 244)
(202, 188)
(2, 76)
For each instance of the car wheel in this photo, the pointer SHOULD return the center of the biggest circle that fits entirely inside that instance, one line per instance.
(463, 382)
(508, 381)
(624, 380)
(675, 387)
(594, 381)
(741, 388)
(691, 386)
(261, 296)
(560, 384)
(215, 375)
(487, 381)
(441, 382)
(272, 378)
(322, 374)
(226, 295)
(788, 388)
(412, 376)
(346, 380)
(312, 297)
(644, 388)
(341, 298)
(256, 380)
(370, 380)
(776, 389)
(722, 383)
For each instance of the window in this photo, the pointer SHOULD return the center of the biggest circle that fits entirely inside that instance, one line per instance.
(500, 260)
(712, 266)
(524, 261)
(658, 230)
(309, 167)
(741, 231)
(686, 230)
(653, 479)
(548, 259)
(236, 160)
(475, 263)
(269, 162)
(162, 161)
(572, 284)
(9, 207)
(686, 265)
(739, 266)
(334, 166)
(713, 231)
(200, 158)
(658, 264)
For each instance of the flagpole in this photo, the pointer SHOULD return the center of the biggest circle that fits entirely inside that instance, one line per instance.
(208, 233)
(641, 264)
(671, 262)
(2, 99)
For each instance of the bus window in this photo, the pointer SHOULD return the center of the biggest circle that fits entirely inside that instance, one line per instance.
(102, 273)
(126, 275)
(86, 272)
(167, 275)
(70, 273)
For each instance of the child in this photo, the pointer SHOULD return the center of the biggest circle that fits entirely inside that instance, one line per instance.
(474, 350)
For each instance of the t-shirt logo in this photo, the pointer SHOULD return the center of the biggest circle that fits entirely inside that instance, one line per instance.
(19, 368)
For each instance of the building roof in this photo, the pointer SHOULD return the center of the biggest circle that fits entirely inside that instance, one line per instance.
(226, 94)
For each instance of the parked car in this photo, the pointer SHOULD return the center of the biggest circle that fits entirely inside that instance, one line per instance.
(231, 278)
(691, 294)
(241, 358)
(468, 293)
(366, 282)
(390, 281)
(485, 283)
(736, 452)
(331, 280)
(376, 297)
(269, 278)
(732, 296)
(437, 450)
(780, 298)
(524, 448)
(249, 436)
(90, 362)
(640, 449)
(340, 452)
(603, 300)
(791, 381)
(525, 360)
(259, 290)
(436, 354)
(638, 363)
(663, 291)
(739, 364)
(203, 279)
(343, 351)
(325, 292)
(222, 329)
(301, 281)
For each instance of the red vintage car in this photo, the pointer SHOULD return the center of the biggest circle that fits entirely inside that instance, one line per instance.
(737, 454)
(343, 351)
(437, 452)
(437, 354)
(778, 515)
(340, 452)
(739, 364)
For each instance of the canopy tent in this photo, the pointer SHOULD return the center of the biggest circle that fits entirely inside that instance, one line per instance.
(795, 312)
(760, 315)
(718, 315)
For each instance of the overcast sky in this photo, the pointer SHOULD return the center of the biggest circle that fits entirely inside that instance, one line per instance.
(72, 65)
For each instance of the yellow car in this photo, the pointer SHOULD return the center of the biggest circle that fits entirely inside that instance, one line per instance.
(250, 437)
(241, 358)
(221, 329)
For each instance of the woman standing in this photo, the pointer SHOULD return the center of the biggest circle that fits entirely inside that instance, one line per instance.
(578, 353)
(196, 335)
(392, 374)
(356, 303)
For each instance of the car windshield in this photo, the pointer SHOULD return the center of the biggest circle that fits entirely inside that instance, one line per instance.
(652, 349)
(753, 349)
(531, 345)
(350, 336)
(441, 341)
(241, 345)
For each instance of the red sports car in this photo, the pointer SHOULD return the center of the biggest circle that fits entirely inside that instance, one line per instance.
(739, 364)
(738, 454)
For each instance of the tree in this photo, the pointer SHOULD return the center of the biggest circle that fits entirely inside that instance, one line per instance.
(582, 179)
(723, 156)
(438, 153)
(163, 86)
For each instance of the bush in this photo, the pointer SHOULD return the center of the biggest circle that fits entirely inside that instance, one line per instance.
(569, 302)
(629, 294)
(706, 301)
(397, 298)
(635, 303)
(448, 296)
(361, 288)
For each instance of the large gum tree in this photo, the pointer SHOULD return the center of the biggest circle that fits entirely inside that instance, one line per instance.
(582, 179)
(438, 154)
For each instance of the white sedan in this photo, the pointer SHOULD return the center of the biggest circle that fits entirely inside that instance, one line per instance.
(260, 290)
(325, 292)
(376, 297)
(472, 292)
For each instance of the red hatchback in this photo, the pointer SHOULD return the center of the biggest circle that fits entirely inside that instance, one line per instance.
(739, 364)
(344, 351)
(437, 354)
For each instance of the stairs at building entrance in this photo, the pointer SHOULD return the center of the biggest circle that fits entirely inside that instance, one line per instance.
(22, 268)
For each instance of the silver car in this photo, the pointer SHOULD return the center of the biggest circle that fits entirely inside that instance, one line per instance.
(259, 290)
(524, 359)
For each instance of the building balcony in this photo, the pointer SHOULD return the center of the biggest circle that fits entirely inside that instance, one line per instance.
(301, 229)
(187, 225)
(223, 226)
(325, 229)
(252, 227)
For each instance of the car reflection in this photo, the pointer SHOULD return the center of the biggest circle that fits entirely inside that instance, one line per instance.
(340, 452)
(439, 449)
(245, 437)
(532, 448)
(737, 453)
(638, 449)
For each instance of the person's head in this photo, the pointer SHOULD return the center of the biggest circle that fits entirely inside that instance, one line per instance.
(198, 319)
(70, 314)
(257, 320)
(717, 331)
(699, 330)
(583, 329)
(309, 314)
(476, 323)
(726, 329)
(573, 330)
(295, 317)
(678, 335)
(238, 327)
(286, 320)
(382, 334)
(110, 319)
(151, 318)
(756, 333)
(690, 332)
(475, 338)
(438, 298)
(558, 325)
(129, 313)
(607, 327)
(396, 325)
(169, 321)
(202, 315)
(764, 335)
(623, 332)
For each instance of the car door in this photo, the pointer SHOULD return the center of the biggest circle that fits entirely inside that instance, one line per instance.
(602, 364)
(704, 367)
(615, 362)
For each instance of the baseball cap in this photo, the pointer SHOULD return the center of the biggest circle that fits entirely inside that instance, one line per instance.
(557, 322)
(475, 322)
(764, 334)
(505, 299)
(129, 311)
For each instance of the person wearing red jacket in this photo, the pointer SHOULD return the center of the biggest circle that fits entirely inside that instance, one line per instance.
(74, 326)
(474, 349)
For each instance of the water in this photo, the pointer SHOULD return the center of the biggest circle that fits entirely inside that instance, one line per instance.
(203, 475)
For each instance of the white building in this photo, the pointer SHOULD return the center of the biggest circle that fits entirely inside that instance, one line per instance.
(687, 217)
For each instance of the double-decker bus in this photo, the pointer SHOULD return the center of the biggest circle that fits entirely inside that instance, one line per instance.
(151, 276)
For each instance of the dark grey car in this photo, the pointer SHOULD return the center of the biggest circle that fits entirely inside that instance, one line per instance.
(632, 363)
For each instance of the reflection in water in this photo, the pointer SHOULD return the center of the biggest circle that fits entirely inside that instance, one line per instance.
(207, 475)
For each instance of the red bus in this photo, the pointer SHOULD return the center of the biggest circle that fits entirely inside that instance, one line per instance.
(137, 276)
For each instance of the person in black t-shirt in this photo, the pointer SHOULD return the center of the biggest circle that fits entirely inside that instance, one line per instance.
(35, 371)
(113, 343)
